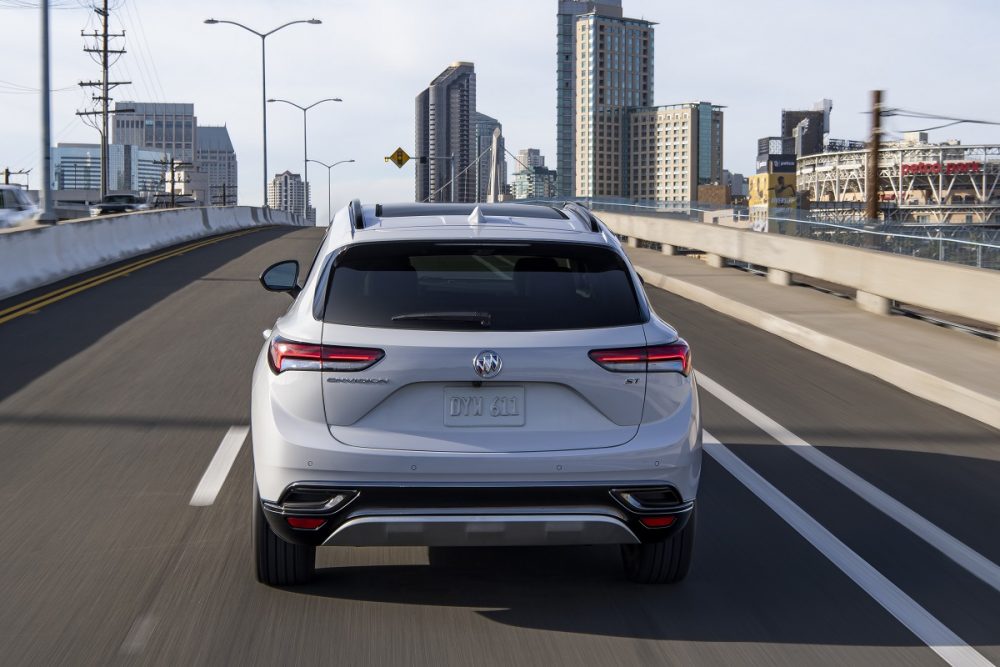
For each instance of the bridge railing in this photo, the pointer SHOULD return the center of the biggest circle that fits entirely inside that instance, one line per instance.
(879, 278)
(968, 244)
(911, 240)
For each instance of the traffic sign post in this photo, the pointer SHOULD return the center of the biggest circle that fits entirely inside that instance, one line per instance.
(398, 157)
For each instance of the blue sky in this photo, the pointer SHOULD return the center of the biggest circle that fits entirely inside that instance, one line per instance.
(753, 57)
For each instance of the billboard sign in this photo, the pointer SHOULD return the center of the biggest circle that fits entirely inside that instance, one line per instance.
(781, 163)
(772, 191)
(920, 168)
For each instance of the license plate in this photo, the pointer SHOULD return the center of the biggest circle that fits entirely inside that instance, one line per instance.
(484, 406)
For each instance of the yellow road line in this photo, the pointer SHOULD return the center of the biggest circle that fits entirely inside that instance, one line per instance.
(127, 267)
(32, 305)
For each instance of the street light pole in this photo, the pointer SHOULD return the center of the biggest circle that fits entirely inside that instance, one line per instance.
(305, 147)
(329, 169)
(263, 107)
(46, 214)
(263, 74)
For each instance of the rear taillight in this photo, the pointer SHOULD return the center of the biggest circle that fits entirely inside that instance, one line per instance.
(670, 358)
(286, 355)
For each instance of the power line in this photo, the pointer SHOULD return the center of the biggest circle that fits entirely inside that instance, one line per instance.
(949, 120)
(145, 52)
(32, 155)
(18, 88)
(33, 4)
(145, 77)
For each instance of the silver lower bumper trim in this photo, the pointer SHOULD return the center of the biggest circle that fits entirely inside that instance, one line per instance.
(481, 530)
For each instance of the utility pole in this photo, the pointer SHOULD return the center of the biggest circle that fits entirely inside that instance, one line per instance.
(225, 197)
(871, 176)
(173, 165)
(102, 48)
(7, 173)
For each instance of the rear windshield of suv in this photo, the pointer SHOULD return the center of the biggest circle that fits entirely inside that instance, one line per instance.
(476, 286)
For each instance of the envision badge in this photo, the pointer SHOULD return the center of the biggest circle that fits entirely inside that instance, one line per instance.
(359, 380)
(487, 364)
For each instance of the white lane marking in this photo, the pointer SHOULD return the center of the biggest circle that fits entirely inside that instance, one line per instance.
(938, 637)
(969, 559)
(139, 634)
(217, 471)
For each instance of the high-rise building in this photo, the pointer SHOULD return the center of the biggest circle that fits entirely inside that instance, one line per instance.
(130, 168)
(286, 192)
(167, 127)
(532, 180)
(803, 132)
(215, 157)
(483, 126)
(614, 72)
(790, 119)
(445, 136)
(535, 183)
(737, 183)
(529, 157)
(808, 137)
(673, 149)
(566, 69)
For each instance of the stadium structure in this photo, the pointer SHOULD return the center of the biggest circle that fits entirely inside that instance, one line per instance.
(918, 183)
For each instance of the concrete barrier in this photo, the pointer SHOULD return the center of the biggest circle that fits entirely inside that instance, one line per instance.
(878, 276)
(37, 256)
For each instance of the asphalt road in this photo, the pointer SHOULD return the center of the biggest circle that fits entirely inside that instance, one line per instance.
(114, 400)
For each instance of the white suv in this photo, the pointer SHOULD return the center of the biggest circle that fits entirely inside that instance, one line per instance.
(462, 375)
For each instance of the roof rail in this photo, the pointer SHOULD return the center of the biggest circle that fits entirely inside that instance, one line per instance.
(356, 215)
(584, 213)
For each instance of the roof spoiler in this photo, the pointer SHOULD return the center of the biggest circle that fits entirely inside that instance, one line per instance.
(584, 213)
(356, 215)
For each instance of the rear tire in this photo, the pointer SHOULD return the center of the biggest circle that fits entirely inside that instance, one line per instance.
(278, 563)
(664, 562)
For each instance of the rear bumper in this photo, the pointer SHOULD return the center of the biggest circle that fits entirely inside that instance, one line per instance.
(488, 515)
(292, 445)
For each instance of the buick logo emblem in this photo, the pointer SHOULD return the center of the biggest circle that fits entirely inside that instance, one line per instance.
(487, 364)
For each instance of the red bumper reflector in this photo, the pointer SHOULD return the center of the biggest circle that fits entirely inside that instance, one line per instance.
(657, 521)
(305, 523)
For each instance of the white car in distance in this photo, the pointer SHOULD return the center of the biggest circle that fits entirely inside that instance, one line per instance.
(16, 206)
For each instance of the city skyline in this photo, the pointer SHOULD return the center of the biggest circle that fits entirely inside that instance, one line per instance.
(752, 76)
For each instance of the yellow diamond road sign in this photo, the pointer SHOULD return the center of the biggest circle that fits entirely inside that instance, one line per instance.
(399, 157)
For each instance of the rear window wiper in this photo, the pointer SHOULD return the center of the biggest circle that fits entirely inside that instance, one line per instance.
(472, 317)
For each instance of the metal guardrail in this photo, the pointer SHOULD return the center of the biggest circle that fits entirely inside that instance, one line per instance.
(902, 242)
(966, 244)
